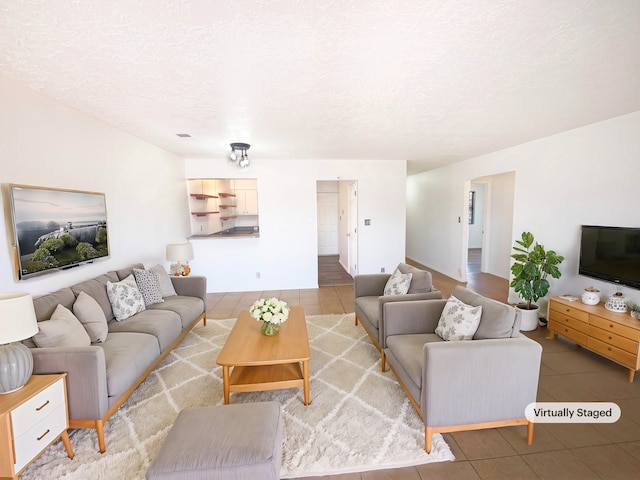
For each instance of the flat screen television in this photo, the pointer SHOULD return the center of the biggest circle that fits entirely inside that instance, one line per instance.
(611, 254)
(57, 229)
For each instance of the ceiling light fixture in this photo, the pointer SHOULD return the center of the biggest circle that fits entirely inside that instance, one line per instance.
(239, 154)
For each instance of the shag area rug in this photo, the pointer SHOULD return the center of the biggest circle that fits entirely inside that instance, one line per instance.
(359, 418)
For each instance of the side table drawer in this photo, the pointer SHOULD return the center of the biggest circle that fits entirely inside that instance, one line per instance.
(568, 332)
(563, 319)
(38, 437)
(37, 408)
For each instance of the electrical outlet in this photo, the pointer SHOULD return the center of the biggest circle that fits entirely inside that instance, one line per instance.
(381, 269)
(257, 274)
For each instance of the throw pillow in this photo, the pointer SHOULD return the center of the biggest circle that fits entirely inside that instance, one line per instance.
(149, 285)
(91, 316)
(63, 329)
(398, 283)
(458, 320)
(126, 300)
(166, 285)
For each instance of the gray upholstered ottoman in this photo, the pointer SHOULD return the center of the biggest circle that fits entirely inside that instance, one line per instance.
(230, 442)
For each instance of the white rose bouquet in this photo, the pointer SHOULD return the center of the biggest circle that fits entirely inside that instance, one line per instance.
(271, 312)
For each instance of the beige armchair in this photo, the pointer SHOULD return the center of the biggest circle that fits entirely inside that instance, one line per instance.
(370, 298)
(485, 382)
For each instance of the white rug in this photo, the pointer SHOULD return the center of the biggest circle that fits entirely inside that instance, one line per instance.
(359, 418)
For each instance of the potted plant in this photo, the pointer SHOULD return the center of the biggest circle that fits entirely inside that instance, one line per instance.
(634, 311)
(533, 264)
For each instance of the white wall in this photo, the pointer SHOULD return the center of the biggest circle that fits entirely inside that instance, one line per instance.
(285, 254)
(584, 176)
(45, 143)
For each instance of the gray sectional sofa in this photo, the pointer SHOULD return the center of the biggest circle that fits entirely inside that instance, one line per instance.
(102, 374)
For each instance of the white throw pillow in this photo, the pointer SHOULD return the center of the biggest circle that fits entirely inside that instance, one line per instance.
(149, 285)
(91, 316)
(63, 329)
(125, 298)
(458, 320)
(398, 283)
(166, 285)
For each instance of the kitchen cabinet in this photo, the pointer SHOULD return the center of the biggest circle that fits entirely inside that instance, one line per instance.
(246, 202)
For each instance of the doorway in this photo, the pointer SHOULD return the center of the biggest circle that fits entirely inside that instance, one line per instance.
(336, 220)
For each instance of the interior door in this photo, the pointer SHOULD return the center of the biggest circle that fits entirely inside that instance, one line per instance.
(353, 228)
(328, 222)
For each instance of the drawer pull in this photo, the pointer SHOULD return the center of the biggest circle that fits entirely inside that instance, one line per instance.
(610, 326)
(42, 406)
(43, 435)
(610, 338)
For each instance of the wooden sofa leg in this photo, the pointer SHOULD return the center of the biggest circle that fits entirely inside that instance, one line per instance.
(100, 432)
(383, 362)
(427, 439)
(356, 319)
(529, 433)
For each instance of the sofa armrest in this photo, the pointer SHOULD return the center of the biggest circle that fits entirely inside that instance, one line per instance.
(405, 318)
(475, 381)
(86, 377)
(370, 285)
(191, 286)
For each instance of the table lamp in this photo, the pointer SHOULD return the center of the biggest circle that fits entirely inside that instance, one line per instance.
(180, 254)
(17, 322)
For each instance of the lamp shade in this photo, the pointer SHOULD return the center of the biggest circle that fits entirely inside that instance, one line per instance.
(179, 252)
(17, 322)
(17, 317)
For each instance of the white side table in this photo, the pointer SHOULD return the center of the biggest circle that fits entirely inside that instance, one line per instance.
(31, 419)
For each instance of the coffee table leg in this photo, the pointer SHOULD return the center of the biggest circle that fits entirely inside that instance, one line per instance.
(225, 383)
(305, 375)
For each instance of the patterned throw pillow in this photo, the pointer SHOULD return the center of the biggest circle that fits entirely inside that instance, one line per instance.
(63, 329)
(126, 300)
(398, 283)
(149, 285)
(458, 321)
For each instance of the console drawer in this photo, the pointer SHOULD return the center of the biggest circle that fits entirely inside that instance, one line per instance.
(613, 339)
(612, 352)
(615, 328)
(568, 332)
(569, 311)
(560, 318)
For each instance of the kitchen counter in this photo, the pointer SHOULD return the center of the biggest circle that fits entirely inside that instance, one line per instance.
(232, 232)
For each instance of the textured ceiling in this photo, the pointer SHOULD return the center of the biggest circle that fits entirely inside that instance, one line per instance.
(429, 81)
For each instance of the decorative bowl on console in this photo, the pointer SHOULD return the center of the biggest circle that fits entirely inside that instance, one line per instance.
(591, 296)
(616, 303)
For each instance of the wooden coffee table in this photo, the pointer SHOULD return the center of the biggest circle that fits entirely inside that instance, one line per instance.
(260, 362)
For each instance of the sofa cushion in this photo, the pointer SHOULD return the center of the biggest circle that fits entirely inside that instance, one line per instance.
(149, 285)
(458, 320)
(127, 356)
(96, 288)
(62, 330)
(164, 325)
(189, 308)
(126, 271)
(408, 350)
(421, 281)
(166, 285)
(91, 316)
(398, 283)
(45, 305)
(126, 300)
(497, 320)
(370, 308)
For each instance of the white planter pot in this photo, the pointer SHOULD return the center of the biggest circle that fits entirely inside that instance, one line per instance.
(528, 318)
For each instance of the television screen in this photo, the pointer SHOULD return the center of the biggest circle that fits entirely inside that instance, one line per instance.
(57, 229)
(611, 254)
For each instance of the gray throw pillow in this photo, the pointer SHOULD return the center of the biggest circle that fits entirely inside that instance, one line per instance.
(149, 285)
(166, 285)
(91, 316)
(63, 329)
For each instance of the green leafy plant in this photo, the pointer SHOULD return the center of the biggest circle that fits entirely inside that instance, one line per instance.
(533, 264)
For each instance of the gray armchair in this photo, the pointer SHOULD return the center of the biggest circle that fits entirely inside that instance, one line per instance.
(485, 382)
(370, 298)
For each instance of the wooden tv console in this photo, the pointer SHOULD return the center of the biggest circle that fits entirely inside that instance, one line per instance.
(613, 335)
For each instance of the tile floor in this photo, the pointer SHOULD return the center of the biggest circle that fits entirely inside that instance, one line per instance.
(559, 451)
